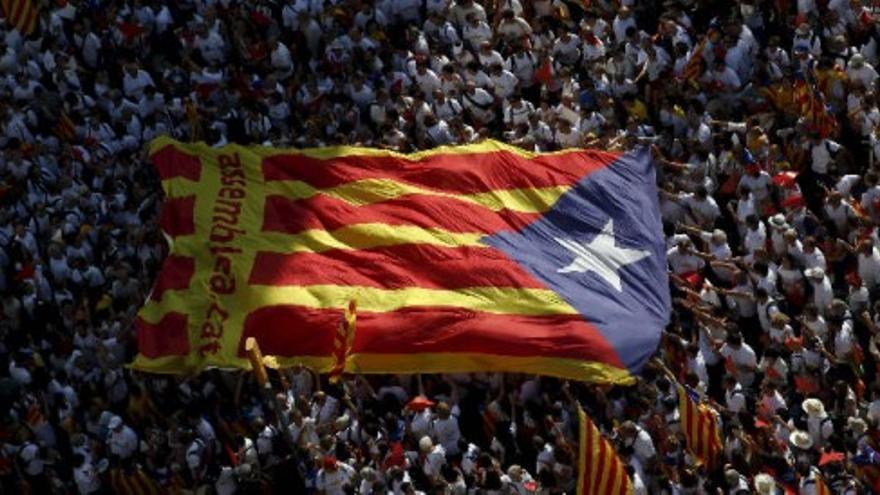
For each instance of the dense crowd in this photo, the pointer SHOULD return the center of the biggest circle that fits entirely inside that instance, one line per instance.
(763, 117)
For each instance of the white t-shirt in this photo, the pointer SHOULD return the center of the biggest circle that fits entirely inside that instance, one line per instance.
(822, 155)
(869, 268)
(448, 434)
(333, 482)
(683, 262)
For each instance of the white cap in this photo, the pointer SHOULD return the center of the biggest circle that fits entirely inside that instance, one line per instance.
(115, 422)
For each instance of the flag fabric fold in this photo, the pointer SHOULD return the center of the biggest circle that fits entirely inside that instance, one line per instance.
(482, 257)
(600, 470)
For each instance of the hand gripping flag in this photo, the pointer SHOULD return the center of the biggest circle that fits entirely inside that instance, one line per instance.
(476, 258)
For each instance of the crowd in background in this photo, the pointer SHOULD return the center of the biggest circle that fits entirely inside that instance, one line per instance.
(763, 117)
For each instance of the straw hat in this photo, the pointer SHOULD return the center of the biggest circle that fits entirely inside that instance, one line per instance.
(857, 425)
(765, 484)
(814, 408)
(778, 221)
(801, 440)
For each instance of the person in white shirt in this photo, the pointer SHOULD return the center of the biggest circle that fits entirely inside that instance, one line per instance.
(811, 256)
(476, 31)
(432, 457)
(819, 424)
(85, 475)
(822, 153)
(823, 293)
(478, 102)
(721, 79)
(860, 72)
(210, 45)
(504, 82)
(324, 408)
(755, 236)
(683, 259)
(734, 395)
(741, 358)
(839, 212)
(640, 440)
(445, 429)
(122, 441)
(869, 263)
(135, 80)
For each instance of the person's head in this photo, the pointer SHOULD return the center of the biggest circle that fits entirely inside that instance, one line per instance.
(734, 340)
(685, 246)
(752, 222)
(426, 445)
(809, 244)
(834, 198)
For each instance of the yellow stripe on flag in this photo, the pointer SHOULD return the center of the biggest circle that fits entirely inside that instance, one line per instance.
(499, 300)
(487, 146)
(353, 237)
(369, 191)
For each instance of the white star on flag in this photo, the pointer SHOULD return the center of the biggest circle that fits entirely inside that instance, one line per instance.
(601, 256)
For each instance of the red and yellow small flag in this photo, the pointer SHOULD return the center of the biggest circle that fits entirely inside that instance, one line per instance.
(701, 429)
(601, 471)
(65, 129)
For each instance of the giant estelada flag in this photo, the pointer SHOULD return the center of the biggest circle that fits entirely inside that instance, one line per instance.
(482, 257)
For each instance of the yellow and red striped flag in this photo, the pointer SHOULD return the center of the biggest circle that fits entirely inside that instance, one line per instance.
(21, 14)
(462, 259)
(701, 428)
(133, 481)
(65, 128)
(821, 485)
(694, 66)
(600, 471)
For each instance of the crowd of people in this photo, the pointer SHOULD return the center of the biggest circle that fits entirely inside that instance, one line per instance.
(763, 117)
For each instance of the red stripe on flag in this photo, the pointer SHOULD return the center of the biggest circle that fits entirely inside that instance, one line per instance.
(14, 11)
(587, 449)
(394, 267)
(701, 440)
(322, 212)
(458, 173)
(176, 274)
(29, 18)
(176, 217)
(691, 423)
(286, 330)
(623, 477)
(169, 337)
(613, 474)
(600, 470)
(172, 163)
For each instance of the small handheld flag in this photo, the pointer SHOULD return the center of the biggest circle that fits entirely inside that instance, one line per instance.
(600, 470)
(700, 423)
